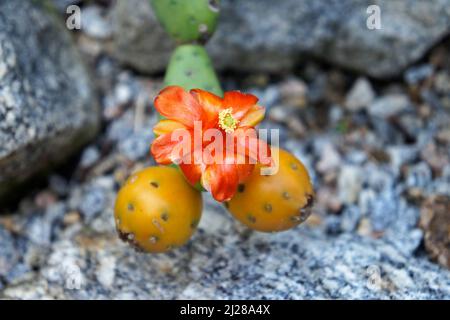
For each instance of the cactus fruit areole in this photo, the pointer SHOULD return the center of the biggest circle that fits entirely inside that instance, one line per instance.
(187, 21)
(190, 67)
(157, 210)
(278, 202)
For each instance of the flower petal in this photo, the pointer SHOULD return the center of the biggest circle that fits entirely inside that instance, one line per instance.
(176, 104)
(221, 180)
(171, 147)
(211, 105)
(248, 144)
(192, 165)
(253, 116)
(192, 172)
(244, 171)
(162, 148)
(239, 102)
(167, 126)
(243, 167)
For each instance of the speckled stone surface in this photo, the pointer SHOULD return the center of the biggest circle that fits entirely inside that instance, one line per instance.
(47, 105)
(377, 153)
(249, 38)
(224, 260)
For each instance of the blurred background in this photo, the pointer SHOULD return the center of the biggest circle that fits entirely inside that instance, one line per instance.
(361, 95)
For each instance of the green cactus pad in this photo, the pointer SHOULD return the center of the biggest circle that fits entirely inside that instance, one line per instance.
(191, 68)
(187, 20)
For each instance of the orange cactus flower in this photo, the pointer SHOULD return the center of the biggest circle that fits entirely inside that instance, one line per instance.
(219, 146)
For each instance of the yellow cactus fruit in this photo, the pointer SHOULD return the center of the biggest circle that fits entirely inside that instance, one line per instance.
(278, 202)
(157, 210)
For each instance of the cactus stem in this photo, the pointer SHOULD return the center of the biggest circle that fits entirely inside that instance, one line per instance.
(190, 67)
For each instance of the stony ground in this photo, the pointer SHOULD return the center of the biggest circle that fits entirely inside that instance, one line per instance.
(378, 153)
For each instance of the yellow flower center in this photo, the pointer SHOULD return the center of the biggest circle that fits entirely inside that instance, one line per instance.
(226, 121)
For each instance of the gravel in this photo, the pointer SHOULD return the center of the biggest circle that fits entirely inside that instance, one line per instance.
(378, 157)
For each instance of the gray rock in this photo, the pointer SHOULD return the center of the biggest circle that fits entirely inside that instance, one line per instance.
(431, 98)
(442, 82)
(349, 183)
(335, 115)
(409, 124)
(138, 38)
(267, 97)
(389, 105)
(402, 231)
(84, 259)
(39, 228)
(93, 202)
(366, 200)
(384, 211)
(411, 242)
(122, 128)
(58, 184)
(330, 159)
(385, 132)
(379, 178)
(418, 176)
(19, 273)
(283, 132)
(401, 154)
(46, 97)
(39, 231)
(333, 225)
(369, 249)
(89, 157)
(441, 185)
(350, 218)
(94, 24)
(418, 73)
(8, 253)
(360, 96)
(137, 145)
(62, 5)
(248, 38)
(356, 157)
(299, 264)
